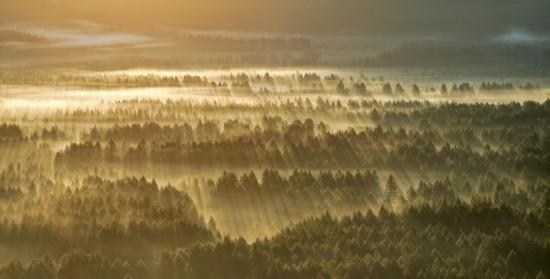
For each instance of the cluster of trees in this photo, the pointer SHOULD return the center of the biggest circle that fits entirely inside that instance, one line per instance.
(312, 146)
(493, 86)
(358, 87)
(506, 86)
(411, 114)
(388, 89)
(155, 80)
(479, 115)
(128, 217)
(53, 133)
(452, 240)
(308, 78)
(131, 218)
(510, 137)
(456, 89)
(302, 190)
(10, 193)
(464, 87)
(10, 131)
(353, 111)
(126, 81)
(304, 193)
(529, 86)
(257, 84)
(501, 230)
(147, 131)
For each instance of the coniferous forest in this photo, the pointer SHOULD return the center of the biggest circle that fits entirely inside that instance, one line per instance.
(276, 176)
(248, 139)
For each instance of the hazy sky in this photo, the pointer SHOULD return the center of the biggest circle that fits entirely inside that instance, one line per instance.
(340, 30)
(470, 17)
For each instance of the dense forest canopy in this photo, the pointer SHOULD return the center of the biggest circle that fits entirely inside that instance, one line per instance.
(212, 139)
(274, 175)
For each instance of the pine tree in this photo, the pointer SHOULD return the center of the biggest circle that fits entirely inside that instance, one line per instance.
(443, 89)
(391, 188)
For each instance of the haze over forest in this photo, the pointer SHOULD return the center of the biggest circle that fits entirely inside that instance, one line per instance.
(274, 139)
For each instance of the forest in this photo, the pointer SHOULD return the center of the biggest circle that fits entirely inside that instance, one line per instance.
(284, 139)
(273, 174)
